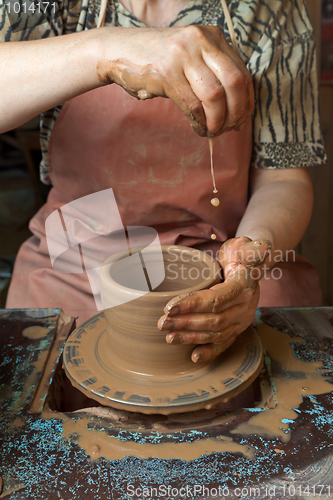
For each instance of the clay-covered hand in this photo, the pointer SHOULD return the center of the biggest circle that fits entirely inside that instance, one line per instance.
(215, 317)
(192, 65)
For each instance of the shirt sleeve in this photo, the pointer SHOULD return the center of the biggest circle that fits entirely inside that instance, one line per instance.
(280, 54)
(23, 20)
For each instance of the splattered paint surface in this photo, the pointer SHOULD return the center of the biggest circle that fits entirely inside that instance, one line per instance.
(41, 461)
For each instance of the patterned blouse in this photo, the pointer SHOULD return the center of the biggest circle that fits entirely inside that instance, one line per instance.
(276, 43)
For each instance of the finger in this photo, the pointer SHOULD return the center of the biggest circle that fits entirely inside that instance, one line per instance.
(237, 83)
(203, 337)
(206, 301)
(202, 321)
(211, 93)
(175, 301)
(181, 93)
(208, 352)
(249, 252)
(246, 276)
(250, 105)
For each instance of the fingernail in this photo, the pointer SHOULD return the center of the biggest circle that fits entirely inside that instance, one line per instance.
(174, 310)
(197, 357)
(197, 127)
(240, 127)
(217, 132)
(173, 305)
(231, 127)
(167, 325)
(177, 339)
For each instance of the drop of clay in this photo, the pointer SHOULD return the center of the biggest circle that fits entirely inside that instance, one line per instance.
(213, 236)
(95, 449)
(304, 388)
(215, 202)
(143, 94)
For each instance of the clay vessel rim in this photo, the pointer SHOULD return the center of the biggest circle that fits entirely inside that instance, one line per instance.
(211, 263)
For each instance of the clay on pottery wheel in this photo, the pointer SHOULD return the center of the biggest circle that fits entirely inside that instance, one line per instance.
(135, 343)
(121, 359)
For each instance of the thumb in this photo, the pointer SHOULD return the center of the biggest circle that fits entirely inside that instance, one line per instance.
(243, 250)
(253, 253)
(246, 259)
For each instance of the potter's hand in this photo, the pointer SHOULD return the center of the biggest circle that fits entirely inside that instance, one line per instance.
(193, 65)
(215, 317)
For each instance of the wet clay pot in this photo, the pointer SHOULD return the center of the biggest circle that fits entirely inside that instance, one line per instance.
(135, 344)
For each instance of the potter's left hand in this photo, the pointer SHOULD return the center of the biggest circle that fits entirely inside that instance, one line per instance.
(215, 317)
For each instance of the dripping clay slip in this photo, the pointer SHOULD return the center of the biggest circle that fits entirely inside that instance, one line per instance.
(214, 201)
(121, 359)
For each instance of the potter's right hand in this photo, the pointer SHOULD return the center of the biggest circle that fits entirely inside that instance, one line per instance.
(193, 65)
(212, 319)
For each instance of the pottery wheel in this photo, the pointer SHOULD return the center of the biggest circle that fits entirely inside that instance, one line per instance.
(90, 370)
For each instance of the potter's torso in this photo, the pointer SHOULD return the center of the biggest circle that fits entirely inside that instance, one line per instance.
(272, 36)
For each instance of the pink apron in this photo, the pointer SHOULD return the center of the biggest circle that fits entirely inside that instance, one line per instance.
(159, 170)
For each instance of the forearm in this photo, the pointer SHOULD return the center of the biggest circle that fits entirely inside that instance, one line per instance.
(279, 209)
(38, 75)
(199, 71)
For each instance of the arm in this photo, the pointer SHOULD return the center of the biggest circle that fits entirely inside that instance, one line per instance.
(199, 71)
(279, 209)
(37, 75)
(286, 133)
(276, 218)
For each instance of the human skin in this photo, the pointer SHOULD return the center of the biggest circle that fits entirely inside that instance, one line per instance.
(199, 71)
(204, 77)
(275, 220)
